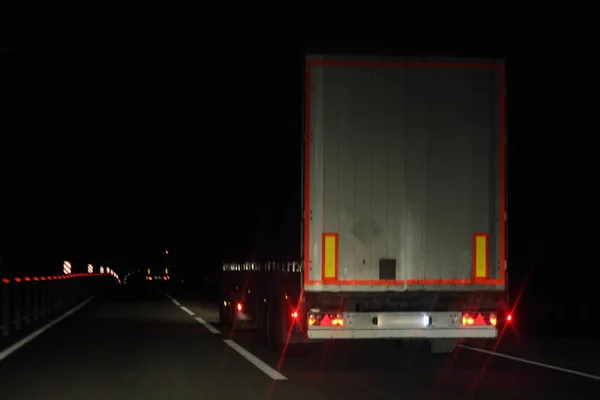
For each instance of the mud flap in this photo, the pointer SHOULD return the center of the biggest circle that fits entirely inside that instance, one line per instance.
(442, 346)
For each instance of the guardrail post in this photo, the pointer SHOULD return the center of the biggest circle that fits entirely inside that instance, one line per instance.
(17, 303)
(5, 306)
(43, 300)
(27, 301)
(62, 291)
(68, 293)
(73, 292)
(54, 297)
(35, 300)
(49, 298)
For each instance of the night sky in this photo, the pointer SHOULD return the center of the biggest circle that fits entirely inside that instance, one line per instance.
(125, 138)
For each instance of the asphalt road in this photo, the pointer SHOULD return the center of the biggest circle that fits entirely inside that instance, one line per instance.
(136, 346)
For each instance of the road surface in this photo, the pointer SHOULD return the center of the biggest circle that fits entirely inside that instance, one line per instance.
(129, 346)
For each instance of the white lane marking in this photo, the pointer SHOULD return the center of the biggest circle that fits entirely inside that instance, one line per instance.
(536, 363)
(178, 304)
(16, 346)
(258, 363)
(208, 326)
(187, 310)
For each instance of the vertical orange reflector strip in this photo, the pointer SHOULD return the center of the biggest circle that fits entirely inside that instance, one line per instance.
(330, 256)
(480, 256)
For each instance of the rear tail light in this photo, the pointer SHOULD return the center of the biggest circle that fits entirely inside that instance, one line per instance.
(295, 314)
(479, 319)
(239, 306)
(325, 319)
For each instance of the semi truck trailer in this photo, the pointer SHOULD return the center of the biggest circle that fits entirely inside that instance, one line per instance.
(404, 219)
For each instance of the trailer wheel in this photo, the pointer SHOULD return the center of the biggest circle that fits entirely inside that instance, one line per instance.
(222, 315)
(276, 329)
(261, 324)
(274, 340)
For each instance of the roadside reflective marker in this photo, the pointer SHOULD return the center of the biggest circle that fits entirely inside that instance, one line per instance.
(66, 268)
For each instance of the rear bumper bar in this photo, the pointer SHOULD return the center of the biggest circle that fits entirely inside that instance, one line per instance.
(382, 325)
(490, 333)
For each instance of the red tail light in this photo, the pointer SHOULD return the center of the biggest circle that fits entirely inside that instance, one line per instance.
(239, 306)
(479, 318)
(325, 319)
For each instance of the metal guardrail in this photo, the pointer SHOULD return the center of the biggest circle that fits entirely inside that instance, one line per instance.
(26, 301)
(290, 266)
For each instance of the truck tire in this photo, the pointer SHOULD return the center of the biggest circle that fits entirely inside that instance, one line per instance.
(261, 324)
(222, 315)
(276, 332)
(274, 337)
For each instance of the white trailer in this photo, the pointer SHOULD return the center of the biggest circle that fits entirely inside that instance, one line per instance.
(404, 210)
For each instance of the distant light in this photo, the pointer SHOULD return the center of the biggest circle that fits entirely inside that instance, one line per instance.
(167, 252)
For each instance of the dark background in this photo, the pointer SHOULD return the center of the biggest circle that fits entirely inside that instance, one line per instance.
(123, 137)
